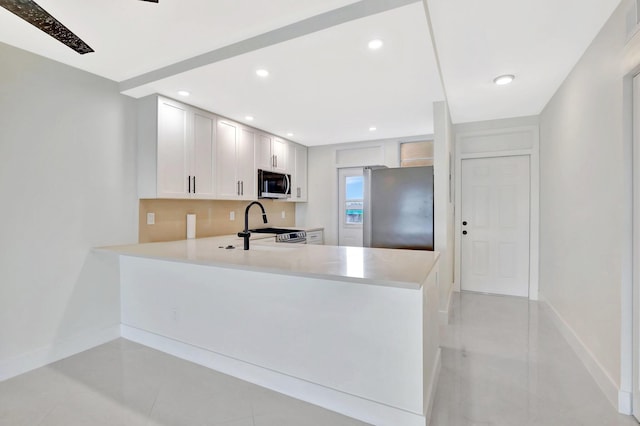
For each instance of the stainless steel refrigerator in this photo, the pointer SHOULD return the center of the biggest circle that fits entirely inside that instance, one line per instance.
(398, 207)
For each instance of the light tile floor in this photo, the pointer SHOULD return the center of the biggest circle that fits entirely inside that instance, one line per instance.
(122, 383)
(504, 363)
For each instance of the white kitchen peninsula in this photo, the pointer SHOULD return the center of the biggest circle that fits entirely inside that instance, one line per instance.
(354, 330)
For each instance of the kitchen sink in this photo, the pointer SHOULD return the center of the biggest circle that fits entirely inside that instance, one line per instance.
(273, 230)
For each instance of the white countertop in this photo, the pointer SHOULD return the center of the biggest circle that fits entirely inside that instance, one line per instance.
(386, 267)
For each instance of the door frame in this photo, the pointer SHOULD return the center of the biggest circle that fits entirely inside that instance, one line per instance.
(346, 172)
(631, 404)
(501, 142)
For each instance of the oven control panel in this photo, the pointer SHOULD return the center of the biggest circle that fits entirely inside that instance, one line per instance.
(292, 237)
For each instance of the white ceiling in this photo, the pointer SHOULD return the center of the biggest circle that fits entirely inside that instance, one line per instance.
(131, 37)
(325, 85)
(538, 41)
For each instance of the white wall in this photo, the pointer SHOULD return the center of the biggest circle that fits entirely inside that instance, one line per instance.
(67, 179)
(444, 236)
(585, 199)
(324, 161)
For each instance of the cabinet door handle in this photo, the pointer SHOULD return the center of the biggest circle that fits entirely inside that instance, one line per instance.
(238, 187)
(194, 184)
(189, 184)
(241, 187)
(299, 191)
(276, 160)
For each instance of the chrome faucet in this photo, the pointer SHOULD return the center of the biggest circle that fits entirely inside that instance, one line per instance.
(246, 234)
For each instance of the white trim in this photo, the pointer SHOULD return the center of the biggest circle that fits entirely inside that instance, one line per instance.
(593, 366)
(56, 351)
(510, 153)
(534, 218)
(534, 206)
(334, 400)
(433, 386)
(630, 327)
(444, 315)
(625, 403)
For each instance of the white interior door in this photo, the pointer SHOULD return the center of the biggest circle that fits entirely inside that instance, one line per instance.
(350, 206)
(495, 225)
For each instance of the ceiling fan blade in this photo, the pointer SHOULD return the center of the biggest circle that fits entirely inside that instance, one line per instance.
(31, 12)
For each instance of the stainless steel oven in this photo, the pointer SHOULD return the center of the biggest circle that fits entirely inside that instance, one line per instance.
(283, 235)
(293, 237)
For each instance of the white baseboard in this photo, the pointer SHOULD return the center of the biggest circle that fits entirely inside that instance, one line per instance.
(433, 386)
(331, 399)
(597, 371)
(625, 403)
(444, 314)
(56, 351)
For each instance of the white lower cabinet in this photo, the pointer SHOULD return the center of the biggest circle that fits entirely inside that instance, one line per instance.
(235, 163)
(315, 237)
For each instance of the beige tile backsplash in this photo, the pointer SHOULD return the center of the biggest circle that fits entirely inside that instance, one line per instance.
(212, 217)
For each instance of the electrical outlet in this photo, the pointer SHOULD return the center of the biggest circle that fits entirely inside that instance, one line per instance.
(232, 215)
(284, 214)
(151, 218)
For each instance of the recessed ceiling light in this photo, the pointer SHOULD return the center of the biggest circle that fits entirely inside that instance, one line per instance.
(183, 93)
(504, 79)
(249, 118)
(375, 44)
(289, 134)
(262, 73)
(373, 129)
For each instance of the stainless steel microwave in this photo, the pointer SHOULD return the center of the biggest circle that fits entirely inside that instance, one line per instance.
(273, 184)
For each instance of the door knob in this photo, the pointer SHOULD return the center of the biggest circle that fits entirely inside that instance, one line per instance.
(464, 232)
(464, 223)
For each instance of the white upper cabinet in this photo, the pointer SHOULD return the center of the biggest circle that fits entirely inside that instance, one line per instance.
(173, 173)
(264, 161)
(185, 152)
(176, 144)
(280, 151)
(203, 165)
(271, 153)
(235, 161)
(246, 163)
(298, 156)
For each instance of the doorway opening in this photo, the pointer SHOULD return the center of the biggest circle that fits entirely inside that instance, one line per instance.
(350, 206)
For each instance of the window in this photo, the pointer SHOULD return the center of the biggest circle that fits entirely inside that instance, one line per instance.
(415, 154)
(354, 196)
